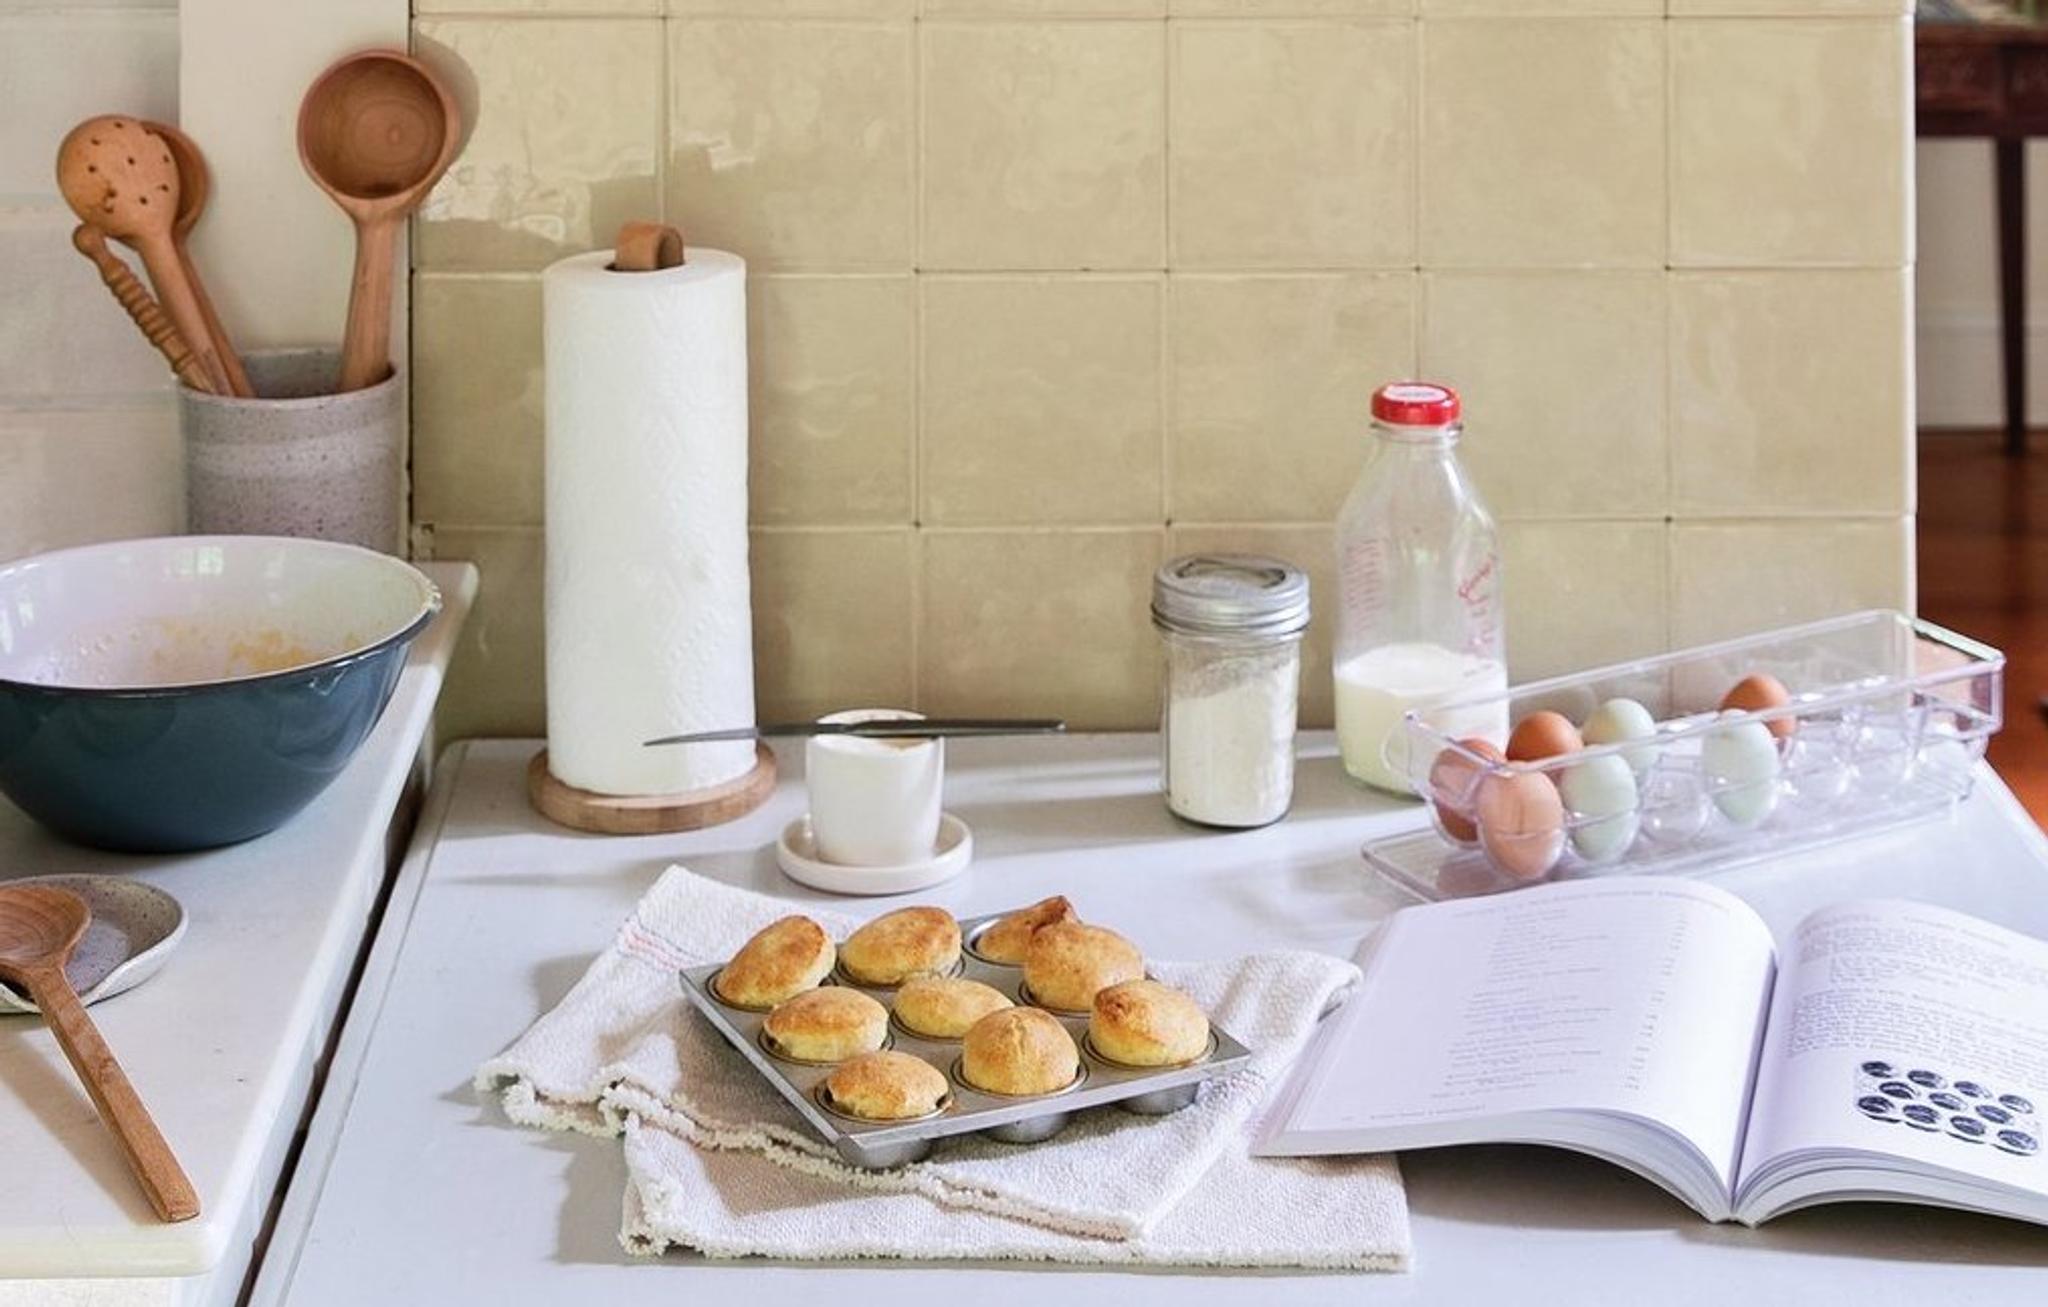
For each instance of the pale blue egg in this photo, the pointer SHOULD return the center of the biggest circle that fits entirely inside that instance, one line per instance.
(1741, 766)
(1619, 721)
(1600, 802)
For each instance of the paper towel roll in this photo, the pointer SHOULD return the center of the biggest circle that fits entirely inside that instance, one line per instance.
(649, 620)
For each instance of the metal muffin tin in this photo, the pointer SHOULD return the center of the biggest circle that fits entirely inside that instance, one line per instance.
(1151, 1091)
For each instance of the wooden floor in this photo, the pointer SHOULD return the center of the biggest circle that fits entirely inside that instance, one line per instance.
(1984, 571)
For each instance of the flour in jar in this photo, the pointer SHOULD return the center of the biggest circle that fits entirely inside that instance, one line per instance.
(1230, 733)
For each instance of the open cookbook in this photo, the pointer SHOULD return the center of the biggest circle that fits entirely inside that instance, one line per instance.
(1894, 1051)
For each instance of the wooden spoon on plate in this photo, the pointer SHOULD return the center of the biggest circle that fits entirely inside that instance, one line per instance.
(195, 184)
(39, 926)
(120, 177)
(376, 131)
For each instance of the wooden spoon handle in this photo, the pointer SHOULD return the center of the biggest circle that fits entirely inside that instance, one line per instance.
(143, 310)
(149, 1156)
(223, 348)
(366, 342)
(167, 274)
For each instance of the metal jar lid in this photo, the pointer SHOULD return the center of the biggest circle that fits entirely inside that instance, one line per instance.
(1230, 594)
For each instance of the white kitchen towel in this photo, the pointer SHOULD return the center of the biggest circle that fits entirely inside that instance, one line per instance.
(625, 1052)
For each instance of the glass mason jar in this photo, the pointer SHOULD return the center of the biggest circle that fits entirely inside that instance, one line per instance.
(1418, 567)
(1230, 627)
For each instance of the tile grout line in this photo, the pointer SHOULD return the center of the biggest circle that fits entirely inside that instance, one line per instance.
(918, 337)
(1168, 297)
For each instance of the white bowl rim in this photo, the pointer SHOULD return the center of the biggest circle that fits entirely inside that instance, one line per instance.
(429, 607)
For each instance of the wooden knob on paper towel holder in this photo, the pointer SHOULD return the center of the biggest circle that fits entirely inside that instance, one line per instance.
(647, 247)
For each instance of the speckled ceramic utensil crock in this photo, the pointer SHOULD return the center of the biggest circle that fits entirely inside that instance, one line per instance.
(298, 460)
(186, 692)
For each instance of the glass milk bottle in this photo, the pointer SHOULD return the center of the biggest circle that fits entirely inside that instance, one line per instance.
(1418, 573)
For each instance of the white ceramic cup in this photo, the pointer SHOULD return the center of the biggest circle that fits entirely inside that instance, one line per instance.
(874, 803)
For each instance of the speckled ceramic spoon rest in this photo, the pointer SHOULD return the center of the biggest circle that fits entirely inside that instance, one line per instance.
(134, 929)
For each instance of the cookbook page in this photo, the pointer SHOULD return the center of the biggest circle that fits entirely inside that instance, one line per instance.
(1635, 996)
(1912, 1030)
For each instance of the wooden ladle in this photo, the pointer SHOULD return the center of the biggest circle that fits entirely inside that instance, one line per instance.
(39, 926)
(195, 184)
(119, 176)
(376, 131)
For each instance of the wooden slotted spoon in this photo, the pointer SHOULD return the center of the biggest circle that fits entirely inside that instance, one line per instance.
(119, 176)
(39, 926)
(195, 184)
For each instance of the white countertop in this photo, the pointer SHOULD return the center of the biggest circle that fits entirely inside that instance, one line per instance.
(222, 1044)
(413, 1190)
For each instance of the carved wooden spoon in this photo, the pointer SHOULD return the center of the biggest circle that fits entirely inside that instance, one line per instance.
(195, 184)
(39, 926)
(119, 176)
(376, 131)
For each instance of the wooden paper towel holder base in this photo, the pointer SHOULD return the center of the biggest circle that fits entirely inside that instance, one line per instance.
(649, 814)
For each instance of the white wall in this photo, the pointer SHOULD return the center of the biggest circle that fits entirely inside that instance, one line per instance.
(1958, 285)
(88, 428)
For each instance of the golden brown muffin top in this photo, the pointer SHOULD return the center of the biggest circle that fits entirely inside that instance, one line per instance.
(1019, 1050)
(901, 944)
(1068, 963)
(943, 1007)
(1007, 940)
(1145, 1023)
(886, 1086)
(827, 1023)
(783, 958)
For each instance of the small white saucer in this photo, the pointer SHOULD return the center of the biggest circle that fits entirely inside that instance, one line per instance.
(134, 929)
(796, 852)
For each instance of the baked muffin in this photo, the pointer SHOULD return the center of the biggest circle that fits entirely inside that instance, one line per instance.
(887, 1086)
(1068, 963)
(898, 945)
(1019, 1051)
(943, 1007)
(1145, 1023)
(783, 959)
(1006, 941)
(826, 1025)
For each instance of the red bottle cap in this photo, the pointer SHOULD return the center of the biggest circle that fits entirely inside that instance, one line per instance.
(1415, 404)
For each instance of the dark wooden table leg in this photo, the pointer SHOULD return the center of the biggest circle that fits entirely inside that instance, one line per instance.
(2012, 286)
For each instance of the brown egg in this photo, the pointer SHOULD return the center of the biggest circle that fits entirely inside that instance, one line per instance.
(1450, 781)
(1521, 823)
(1543, 735)
(1758, 691)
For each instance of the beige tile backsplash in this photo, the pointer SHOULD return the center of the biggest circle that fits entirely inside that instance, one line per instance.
(1045, 291)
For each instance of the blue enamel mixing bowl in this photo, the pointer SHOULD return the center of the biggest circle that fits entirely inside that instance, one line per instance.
(180, 693)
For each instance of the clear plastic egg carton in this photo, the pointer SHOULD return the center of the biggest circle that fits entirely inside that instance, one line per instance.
(1891, 715)
(1147, 1091)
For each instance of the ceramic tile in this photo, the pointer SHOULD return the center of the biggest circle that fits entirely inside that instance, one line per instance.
(1272, 380)
(1789, 8)
(562, 151)
(609, 8)
(78, 476)
(1290, 8)
(1313, 549)
(790, 143)
(1044, 145)
(1539, 8)
(61, 67)
(1293, 144)
(1543, 142)
(1790, 392)
(62, 335)
(1581, 594)
(1562, 377)
(1044, 8)
(477, 407)
(832, 362)
(792, 8)
(496, 682)
(1734, 578)
(833, 621)
(1006, 616)
(1041, 400)
(1790, 141)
